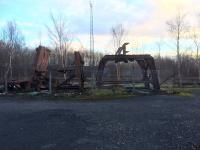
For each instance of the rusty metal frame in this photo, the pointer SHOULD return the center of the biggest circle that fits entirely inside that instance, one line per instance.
(79, 74)
(146, 62)
(40, 78)
(74, 72)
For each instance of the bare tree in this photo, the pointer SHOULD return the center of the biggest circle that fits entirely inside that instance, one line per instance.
(177, 27)
(159, 44)
(118, 34)
(196, 41)
(14, 41)
(59, 35)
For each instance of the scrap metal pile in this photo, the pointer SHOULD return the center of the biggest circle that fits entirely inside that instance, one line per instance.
(75, 76)
(40, 79)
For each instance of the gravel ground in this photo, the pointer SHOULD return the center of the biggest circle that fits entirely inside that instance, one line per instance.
(150, 122)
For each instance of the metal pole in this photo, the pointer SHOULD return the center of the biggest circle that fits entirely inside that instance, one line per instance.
(132, 75)
(92, 47)
(50, 77)
(50, 86)
(6, 85)
(159, 60)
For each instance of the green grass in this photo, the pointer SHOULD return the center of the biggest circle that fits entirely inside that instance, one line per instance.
(114, 93)
(186, 91)
(185, 94)
(97, 94)
(101, 94)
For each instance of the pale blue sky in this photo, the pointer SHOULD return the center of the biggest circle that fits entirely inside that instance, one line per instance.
(144, 20)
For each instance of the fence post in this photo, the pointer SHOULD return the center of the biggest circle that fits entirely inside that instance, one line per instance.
(6, 85)
(132, 75)
(50, 86)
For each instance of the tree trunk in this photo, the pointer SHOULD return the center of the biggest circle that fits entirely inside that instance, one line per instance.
(10, 67)
(179, 62)
(198, 62)
(118, 71)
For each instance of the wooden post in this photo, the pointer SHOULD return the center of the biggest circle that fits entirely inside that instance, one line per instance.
(132, 68)
(50, 86)
(6, 85)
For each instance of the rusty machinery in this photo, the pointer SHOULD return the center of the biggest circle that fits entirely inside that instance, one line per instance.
(74, 73)
(146, 62)
(39, 79)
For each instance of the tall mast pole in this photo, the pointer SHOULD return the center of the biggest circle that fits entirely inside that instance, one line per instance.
(92, 46)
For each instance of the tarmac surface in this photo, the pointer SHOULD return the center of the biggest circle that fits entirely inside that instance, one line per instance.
(140, 123)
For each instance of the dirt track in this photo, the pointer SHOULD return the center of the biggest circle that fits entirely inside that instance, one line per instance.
(151, 122)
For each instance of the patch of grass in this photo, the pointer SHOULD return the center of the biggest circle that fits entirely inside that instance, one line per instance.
(185, 94)
(113, 93)
(187, 91)
(97, 94)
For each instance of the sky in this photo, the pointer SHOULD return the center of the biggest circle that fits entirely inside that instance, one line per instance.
(143, 20)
